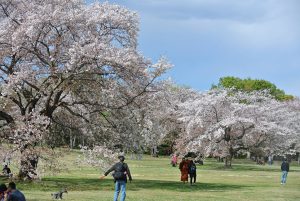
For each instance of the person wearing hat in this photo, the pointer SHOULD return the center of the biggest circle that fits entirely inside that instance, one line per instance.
(121, 171)
(3, 190)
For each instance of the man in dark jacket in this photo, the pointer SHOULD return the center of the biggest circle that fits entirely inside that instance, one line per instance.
(285, 167)
(121, 171)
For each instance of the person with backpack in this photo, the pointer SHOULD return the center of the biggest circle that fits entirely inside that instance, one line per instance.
(285, 167)
(192, 171)
(121, 171)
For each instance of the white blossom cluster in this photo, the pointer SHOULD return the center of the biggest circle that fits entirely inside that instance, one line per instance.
(99, 156)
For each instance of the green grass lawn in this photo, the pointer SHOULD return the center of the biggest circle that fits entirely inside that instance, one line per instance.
(155, 180)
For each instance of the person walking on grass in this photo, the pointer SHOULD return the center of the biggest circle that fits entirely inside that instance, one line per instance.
(184, 169)
(270, 160)
(285, 168)
(121, 171)
(174, 160)
(192, 172)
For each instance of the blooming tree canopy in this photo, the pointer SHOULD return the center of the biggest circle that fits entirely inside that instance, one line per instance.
(63, 56)
(222, 122)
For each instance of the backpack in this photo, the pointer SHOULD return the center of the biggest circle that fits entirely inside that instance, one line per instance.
(192, 169)
(119, 173)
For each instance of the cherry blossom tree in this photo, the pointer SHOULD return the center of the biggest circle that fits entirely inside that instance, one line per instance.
(144, 124)
(291, 120)
(66, 57)
(223, 122)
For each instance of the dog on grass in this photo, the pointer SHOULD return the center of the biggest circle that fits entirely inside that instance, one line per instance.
(59, 195)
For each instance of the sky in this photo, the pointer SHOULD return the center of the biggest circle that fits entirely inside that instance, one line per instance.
(209, 39)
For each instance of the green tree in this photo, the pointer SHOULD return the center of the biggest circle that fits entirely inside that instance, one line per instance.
(249, 84)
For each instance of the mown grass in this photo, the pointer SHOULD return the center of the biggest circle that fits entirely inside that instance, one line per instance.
(155, 180)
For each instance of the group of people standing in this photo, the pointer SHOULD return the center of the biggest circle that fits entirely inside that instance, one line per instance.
(188, 168)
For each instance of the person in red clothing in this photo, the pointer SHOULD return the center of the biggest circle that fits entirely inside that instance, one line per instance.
(184, 169)
(174, 160)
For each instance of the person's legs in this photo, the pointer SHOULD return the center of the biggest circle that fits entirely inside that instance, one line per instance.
(186, 178)
(195, 178)
(283, 177)
(191, 178)
(117, 190)
(123, 190)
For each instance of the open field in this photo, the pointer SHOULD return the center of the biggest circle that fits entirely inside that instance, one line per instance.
(155, 180)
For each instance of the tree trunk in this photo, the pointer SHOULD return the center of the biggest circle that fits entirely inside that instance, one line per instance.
(154, 151)
(228, 160)
(28, 165)
(74, 142)
(71, 139)
(71, 142)
(220, 159)
(248, 155)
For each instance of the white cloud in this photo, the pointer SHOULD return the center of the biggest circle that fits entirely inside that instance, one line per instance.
(206, 39)
(253, 23)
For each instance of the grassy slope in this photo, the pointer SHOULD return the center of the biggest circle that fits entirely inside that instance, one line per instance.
(156, 180)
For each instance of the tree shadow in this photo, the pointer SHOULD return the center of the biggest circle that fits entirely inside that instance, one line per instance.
(83, 184)
(4, 179)
(244, 167)
(180, 187)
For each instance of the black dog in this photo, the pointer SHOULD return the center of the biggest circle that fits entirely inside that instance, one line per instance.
(59, 195)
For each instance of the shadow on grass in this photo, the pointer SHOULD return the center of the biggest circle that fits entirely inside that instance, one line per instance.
(82, 184)
(180, 187)
(3, 179)
(244, 167)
